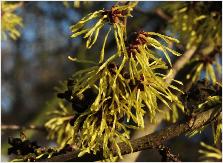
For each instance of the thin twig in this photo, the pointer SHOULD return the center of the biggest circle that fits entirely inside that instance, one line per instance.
(157, 12)
(181, 62)
(163, 15)
(18, 128)
(150, 141)
(167, 155)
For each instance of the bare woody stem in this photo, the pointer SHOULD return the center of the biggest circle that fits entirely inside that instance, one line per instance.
(181, 62)
(151, 141)
(167, 155)
(157, 12)
(18, 128)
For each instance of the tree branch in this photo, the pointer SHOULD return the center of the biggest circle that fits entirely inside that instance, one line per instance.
(157, 12)
(181, 62)
(17, 127)
(150, 141)
(167, 155)
(163, 15)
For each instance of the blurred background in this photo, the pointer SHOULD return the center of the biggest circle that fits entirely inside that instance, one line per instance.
(34, 64)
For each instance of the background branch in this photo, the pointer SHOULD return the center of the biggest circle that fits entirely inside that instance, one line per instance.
(18, 128)
(181, 62)
(157, 12)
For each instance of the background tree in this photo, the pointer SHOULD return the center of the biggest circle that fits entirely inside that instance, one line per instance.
(29, 60)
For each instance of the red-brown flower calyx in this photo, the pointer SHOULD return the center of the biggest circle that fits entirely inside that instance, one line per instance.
(115, 15)
(137, 39)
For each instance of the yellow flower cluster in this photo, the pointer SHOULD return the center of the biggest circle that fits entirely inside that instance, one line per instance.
(125, 92)
(10, 21)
